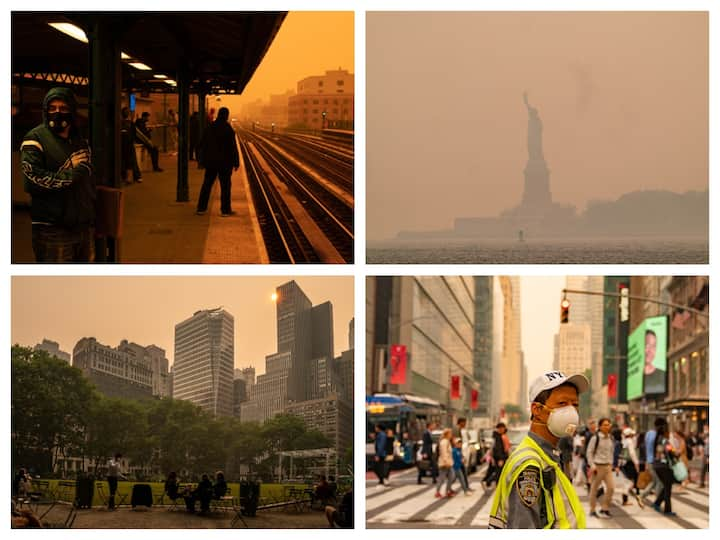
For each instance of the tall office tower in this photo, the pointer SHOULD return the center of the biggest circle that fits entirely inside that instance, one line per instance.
(344, 374)
(306, 332)
(483, 343)
(351, 334)
(268, 396)
(573, 348)
(432, 319)
(510, 391)
(293, 334)
(204, 361)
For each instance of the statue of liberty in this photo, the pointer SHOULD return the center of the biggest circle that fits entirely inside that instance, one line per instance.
(534, 131)
(536, 195)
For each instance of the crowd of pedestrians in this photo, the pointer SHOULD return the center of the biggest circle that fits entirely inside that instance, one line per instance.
(642, 468)
(607, 461)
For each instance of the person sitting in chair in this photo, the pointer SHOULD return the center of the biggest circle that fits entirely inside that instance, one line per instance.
(172, 488)
(322, 492)
(342, 516)
(203, 492)
(220, 487)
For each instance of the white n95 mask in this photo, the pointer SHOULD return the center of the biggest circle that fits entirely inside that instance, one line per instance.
(563, 421)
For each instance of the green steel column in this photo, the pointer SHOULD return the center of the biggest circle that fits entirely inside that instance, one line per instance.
(183, 190)
(104, 111)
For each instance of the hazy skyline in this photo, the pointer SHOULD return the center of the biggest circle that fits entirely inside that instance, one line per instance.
(146, 309)
(308, 43)
(623, 97)
(540, 298)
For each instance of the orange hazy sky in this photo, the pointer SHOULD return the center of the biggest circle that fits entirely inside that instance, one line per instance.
(308, 43)
(146, 309)
(623, 98)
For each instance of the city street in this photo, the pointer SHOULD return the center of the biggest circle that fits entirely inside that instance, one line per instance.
(405, 504)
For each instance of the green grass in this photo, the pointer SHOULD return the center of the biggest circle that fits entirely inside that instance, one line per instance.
(270, 492)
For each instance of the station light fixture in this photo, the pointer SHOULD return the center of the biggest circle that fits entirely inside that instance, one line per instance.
(71, 30)
(78, 33)
(140, 66)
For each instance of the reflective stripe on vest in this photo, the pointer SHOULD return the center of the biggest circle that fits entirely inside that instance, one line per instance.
(564, 511)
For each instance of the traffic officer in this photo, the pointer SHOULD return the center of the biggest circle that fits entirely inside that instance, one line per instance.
(532, 491)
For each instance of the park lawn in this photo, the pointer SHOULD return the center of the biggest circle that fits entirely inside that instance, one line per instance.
(270, 492)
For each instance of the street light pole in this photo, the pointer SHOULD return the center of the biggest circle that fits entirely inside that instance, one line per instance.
(640, 298)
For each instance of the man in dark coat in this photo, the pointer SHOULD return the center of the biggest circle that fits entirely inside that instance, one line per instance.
(426, 453)
(218, 154)
(499, 455)
(56, 163)
(128, 159)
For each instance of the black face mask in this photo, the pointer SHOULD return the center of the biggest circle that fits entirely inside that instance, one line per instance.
(58, 121)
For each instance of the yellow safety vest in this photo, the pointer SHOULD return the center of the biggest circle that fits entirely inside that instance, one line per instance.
(564, 510)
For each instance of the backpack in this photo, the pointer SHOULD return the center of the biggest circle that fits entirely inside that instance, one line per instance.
(595, 436)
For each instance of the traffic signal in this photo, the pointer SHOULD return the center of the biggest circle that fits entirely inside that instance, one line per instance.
(564, 311)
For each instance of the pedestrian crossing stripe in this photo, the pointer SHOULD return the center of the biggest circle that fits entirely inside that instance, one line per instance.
(407, 503)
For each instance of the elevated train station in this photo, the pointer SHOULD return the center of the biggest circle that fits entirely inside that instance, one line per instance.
(113, 56)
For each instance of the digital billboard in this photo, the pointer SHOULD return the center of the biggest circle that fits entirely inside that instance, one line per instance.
(647, 358)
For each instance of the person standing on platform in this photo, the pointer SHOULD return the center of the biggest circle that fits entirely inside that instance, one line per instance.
(533, 491)
(172, 127)
(143, 134)
(219, 156)
(193, 135)
(58, 175)
(128, 159)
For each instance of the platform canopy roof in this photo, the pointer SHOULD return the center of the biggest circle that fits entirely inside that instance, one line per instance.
(219, 50)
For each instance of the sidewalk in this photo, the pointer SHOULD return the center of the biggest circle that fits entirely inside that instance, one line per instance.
(158, 229)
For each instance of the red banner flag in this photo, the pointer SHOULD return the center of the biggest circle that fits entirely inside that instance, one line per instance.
(398, 364)
(455, 387)
(473, 399)
(612, 385)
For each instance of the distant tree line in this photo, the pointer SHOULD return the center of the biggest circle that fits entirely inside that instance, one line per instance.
(58, 414)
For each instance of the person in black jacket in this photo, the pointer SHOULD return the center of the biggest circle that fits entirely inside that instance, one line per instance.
(128, 159)
(203, 493)
(218, 154)
(499, 455)
(58, 175)
(426, 453)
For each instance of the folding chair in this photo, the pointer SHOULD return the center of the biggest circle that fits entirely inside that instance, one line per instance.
(42, 495)
(225, 503)
(237, 509)
(66, 491)
(100, 490)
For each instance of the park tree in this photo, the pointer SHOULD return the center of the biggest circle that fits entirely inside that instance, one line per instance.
(281, 431)
(248, 446)
(311, 439)
(116, 425)
(177, 428)
(50, 403)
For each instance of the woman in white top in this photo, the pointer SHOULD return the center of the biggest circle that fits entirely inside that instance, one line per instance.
(445, 464)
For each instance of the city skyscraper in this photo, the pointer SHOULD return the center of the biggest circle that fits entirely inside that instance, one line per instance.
(306, 333)
(204, 361)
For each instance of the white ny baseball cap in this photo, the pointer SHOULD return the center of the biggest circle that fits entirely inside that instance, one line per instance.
(553, 379)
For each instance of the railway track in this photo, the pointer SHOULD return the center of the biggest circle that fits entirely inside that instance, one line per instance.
(328, 206)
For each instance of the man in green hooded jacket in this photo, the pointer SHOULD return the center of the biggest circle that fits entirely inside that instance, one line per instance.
(58, 175)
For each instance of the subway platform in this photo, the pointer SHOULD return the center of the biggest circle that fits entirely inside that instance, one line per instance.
(159, 230)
